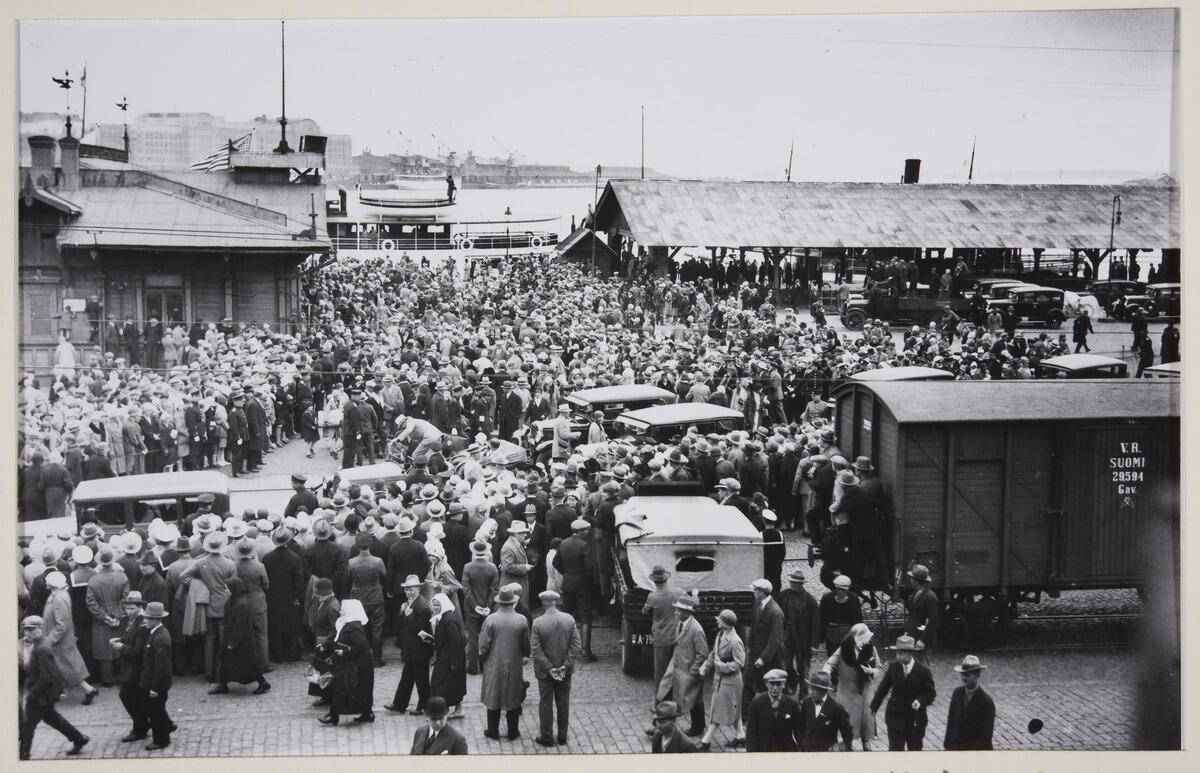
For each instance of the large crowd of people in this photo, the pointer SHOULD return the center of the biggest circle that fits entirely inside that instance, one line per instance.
(452, 561)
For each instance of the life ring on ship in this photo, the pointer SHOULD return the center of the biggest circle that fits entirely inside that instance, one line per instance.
(536, 242)
(388, 244)
(466, 244)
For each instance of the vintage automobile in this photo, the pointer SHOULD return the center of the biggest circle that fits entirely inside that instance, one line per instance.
(1170, 370)
(1031, 303)
(1108, 290)
(988, 285)
(712, 551)
(1082, 366)
(613, 400)
(1159, 300)
(130, 502)
(908, 309)
(662, 422)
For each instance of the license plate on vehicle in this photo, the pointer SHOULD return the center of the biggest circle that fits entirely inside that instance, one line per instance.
(639, 638)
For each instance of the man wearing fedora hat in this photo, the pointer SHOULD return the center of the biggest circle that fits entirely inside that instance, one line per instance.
(911, 688)
(683, 675)
(822, 718)
(869, 508)
(660, 607)
(515, 562)
(503, 643)
(801, 630)
(923, 610)
(213, 569)
(130, 650)
(415, 648)
(156, 678)
(285, 590)
(667, 739)
(972, 714)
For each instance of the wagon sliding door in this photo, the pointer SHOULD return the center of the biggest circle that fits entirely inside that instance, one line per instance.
(1111, 478)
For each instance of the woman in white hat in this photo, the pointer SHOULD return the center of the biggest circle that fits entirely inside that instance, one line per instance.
(857, 665)
(353, 685)
(59, 629)
(448, 679)
(82, 558)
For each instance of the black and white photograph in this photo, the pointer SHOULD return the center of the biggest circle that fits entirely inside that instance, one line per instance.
(618, 385)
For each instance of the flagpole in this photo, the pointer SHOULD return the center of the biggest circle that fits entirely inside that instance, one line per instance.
(971, 171)
(283, 143)
(83, 118)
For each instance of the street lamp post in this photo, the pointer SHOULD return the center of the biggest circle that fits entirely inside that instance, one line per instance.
(1112, 232)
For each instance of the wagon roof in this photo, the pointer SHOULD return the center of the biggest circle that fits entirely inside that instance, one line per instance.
(1026, 400)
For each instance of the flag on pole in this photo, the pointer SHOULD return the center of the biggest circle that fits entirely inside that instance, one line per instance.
(222, 159)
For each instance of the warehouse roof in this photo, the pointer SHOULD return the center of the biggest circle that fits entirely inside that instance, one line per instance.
(675, 213)
(936, 402)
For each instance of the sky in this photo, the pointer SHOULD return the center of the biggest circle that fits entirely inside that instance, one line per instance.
(1080, 96)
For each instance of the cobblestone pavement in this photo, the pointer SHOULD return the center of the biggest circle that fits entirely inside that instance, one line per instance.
(1081, 696)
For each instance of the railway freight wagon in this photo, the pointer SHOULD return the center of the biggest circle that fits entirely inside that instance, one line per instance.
(1009, 489)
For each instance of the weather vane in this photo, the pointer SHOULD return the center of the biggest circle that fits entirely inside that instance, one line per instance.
(65, 82)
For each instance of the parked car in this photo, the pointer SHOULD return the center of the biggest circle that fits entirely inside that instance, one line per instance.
(711, 551)
(1171, 370)
(130, 502)
(1108, 290)
(906, 373)
(613, 400)
(1031, 303)
(907, 309)
(1159, 300)
(988, 285)
(662, 422)
(1082, 366)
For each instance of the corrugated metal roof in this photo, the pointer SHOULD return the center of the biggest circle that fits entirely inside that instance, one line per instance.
(815, 214)
(938, 402)
(58, 202)
(130, 216)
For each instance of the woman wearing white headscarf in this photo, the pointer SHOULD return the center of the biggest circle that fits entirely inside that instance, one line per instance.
(449, 677)
(857, 665)
(441, 575)
(353, 687)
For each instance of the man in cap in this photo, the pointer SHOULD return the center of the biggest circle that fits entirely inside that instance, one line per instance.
(773, 719)
(683, 675)
(438, 736)
(923, 610)
(480, 581)
(367, 575)
(130, 650)
(660, 607)
(765, 644)
(352, 434)
(415, 649)
(156, 676)
(972, 713)
(503, 643)
(302, 498)
(285, 595)
(238, 439)
(44, 686)
(801, 630)
(574, 561)
(840, 609)
(667, 738)
(554, 645)
(822, 718)
(910, 685)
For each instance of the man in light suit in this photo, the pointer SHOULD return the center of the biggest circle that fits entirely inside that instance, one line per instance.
(912, 689)
(765, 645)
(691, 650)
(438, 737)
(554, 645)
(514, 559)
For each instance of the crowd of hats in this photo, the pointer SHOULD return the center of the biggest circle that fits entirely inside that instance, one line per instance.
(409, 324)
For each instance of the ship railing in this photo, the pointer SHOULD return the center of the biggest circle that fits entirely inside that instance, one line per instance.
(466, 240)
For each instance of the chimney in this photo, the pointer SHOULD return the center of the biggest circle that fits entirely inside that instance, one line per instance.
(69, 150)
(912, 170)
(342, 200)
(41, 168)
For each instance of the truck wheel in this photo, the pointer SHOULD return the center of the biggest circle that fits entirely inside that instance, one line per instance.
(854, 319)
(629, 650)
(1054, 319)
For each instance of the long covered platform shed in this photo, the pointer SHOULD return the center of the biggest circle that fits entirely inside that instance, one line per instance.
(992, 227)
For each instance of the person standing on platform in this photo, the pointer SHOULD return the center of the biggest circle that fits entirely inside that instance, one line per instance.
(911, 689)
(923, 613)
(554, 646)
(972, 714)
(503, 644)
(415, 650)
(157, 676)
(660, 608)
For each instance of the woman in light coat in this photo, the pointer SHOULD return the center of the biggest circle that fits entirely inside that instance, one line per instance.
(725, 662)
(857, 665)
(58, 626)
